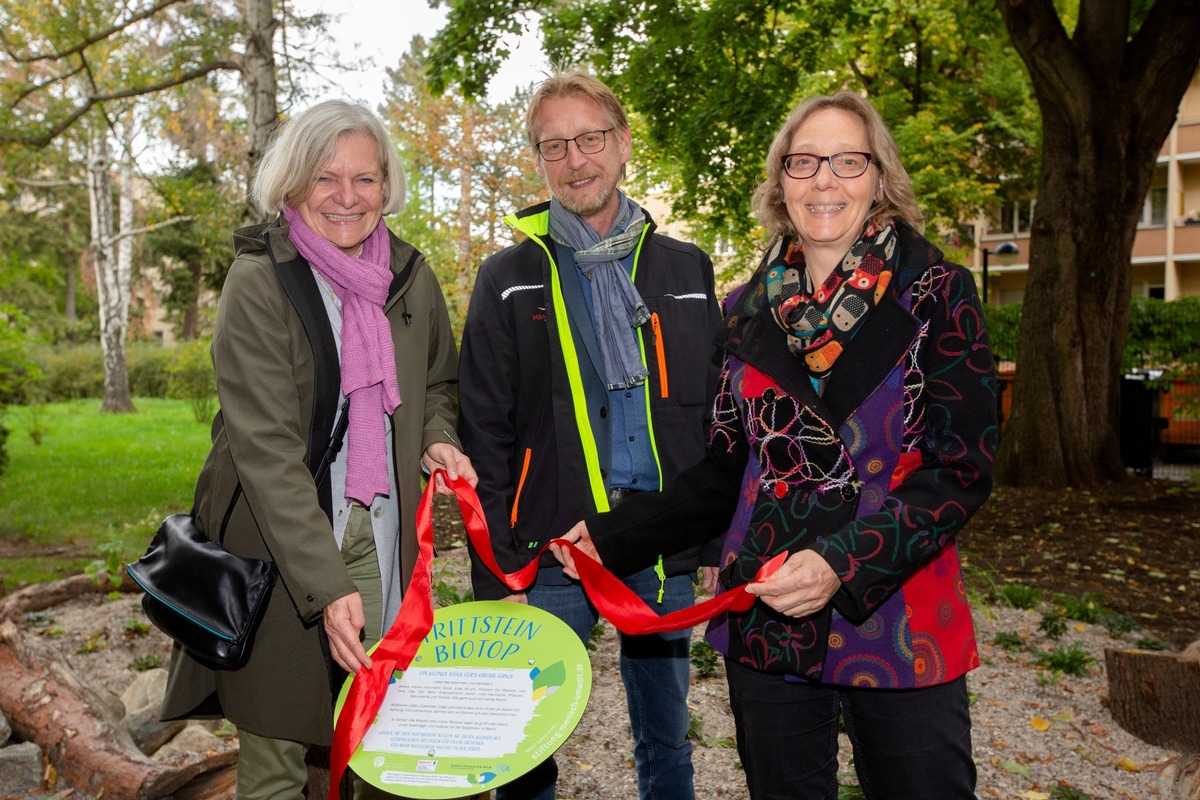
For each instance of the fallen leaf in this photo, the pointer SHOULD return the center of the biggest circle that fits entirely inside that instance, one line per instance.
(1126, 763)
(1032, 795)
(1040, 724)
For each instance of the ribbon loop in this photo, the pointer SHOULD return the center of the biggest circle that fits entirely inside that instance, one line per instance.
(615, 601)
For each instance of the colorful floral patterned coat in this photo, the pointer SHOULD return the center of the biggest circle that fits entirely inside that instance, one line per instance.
(877, 475)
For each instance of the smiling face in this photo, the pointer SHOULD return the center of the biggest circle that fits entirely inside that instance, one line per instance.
(346, 203)
(828, 212)
(585, 184)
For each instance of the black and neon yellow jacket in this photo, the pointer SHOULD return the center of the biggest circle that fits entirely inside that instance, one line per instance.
(537, 436)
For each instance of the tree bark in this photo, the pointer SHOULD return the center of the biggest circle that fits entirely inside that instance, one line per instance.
(1107, 101)
(114, 305)
(47, 705)
(258, 79)
(1156, 696)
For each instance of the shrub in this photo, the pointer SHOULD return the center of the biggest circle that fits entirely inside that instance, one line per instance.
(192, 379)
(1008, 640)
(704, 658)
(1073, 660)
(1018, 596)
(1053, 624)
(149, 369)
(1086, 608)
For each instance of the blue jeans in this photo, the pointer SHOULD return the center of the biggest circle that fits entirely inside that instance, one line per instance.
(656, 672)
(912, 744)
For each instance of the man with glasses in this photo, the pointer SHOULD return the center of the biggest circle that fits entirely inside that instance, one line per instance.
(586, 375)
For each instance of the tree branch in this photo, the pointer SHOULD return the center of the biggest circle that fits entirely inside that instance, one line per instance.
(147, 228)
(93, 99)
(36, 183)
(99, 36)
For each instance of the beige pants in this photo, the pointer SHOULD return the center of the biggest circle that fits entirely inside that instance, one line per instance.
(274, 769)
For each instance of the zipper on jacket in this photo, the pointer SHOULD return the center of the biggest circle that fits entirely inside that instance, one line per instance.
(512, 520)
(661, 351)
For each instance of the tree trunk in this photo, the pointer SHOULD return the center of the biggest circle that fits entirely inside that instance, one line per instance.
(1107, 104)
(47, 705)
(258, 79)
(191, 314)
(114, 304)
(1156, 696)
(466, 188)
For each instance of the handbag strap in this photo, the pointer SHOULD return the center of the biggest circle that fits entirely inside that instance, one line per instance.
(331, 450)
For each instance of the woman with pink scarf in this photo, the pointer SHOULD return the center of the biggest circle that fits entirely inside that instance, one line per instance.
(325, 313)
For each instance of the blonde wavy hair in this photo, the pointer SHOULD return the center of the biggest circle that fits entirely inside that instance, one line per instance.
(898, 201)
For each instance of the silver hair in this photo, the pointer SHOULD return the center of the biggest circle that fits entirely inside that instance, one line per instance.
(305, 144)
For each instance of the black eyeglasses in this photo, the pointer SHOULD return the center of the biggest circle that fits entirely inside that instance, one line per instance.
(588, 143)
(844, 165)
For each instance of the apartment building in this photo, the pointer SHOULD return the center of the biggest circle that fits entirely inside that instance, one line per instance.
(1166, 251)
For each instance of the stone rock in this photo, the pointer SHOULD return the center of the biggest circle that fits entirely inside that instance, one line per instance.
(105, 703)
(20, 769)
(194, 738)
(147, 689)
(5, 729)
(148, 732)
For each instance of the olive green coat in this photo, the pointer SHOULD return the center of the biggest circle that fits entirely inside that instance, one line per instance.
(265, 376)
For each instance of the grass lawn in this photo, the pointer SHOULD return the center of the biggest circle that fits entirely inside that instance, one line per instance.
(95, 480)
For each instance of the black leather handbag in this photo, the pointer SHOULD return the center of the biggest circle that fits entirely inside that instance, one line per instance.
(207, 599)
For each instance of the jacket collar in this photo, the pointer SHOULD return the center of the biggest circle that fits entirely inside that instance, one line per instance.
(750, 333)
(273, 235)
(535, 221)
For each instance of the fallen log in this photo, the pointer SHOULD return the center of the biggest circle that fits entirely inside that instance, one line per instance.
(1156, 696)
(46, 704)
(41, 596)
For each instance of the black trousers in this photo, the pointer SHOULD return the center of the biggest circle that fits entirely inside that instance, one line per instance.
(908, 744)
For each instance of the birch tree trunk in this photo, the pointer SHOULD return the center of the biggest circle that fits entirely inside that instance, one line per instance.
(258, 79)
(114, 300)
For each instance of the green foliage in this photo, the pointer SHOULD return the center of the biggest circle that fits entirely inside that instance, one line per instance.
(73, 372)
(1003, 327)
(1053, 624)
(148, 662)
(1019, 596)
(136, 627)
(1087, 607)
(94, 643)
(710, 83)
(704, 658)
(192, 378)
(1163, 335)
(1118, 624)
(110, 566)
(446, 595)
(1148, 643)
(1062, 791)
(594, 638)
(1009, 640)
(1073, 660)
(695, 728)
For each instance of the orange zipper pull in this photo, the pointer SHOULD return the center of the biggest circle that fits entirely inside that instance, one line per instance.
(660, 351)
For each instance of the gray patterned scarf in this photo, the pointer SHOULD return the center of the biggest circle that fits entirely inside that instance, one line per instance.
(617, 308)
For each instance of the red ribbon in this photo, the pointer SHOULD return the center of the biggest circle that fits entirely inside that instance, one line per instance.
(612, 598)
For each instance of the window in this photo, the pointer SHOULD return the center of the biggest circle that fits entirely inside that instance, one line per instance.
(1154, 210)
(1012, 218)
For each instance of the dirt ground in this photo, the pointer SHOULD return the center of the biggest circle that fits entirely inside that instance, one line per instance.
(1135, 546)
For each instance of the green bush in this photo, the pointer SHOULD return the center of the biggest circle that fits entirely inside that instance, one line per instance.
(192, 379)
(71, 373)
(74, 372)
(149, 369)
(1003, 327)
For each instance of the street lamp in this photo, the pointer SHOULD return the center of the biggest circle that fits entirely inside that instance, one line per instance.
(1002, 249)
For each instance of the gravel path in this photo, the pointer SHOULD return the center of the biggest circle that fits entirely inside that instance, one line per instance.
(1033, 731)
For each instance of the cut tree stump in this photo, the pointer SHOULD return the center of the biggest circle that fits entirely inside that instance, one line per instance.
(1156, 696)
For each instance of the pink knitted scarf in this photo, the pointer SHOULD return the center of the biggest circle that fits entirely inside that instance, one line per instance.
(368, 353)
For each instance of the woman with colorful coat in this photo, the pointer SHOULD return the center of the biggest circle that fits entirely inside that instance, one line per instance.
(854, 430)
